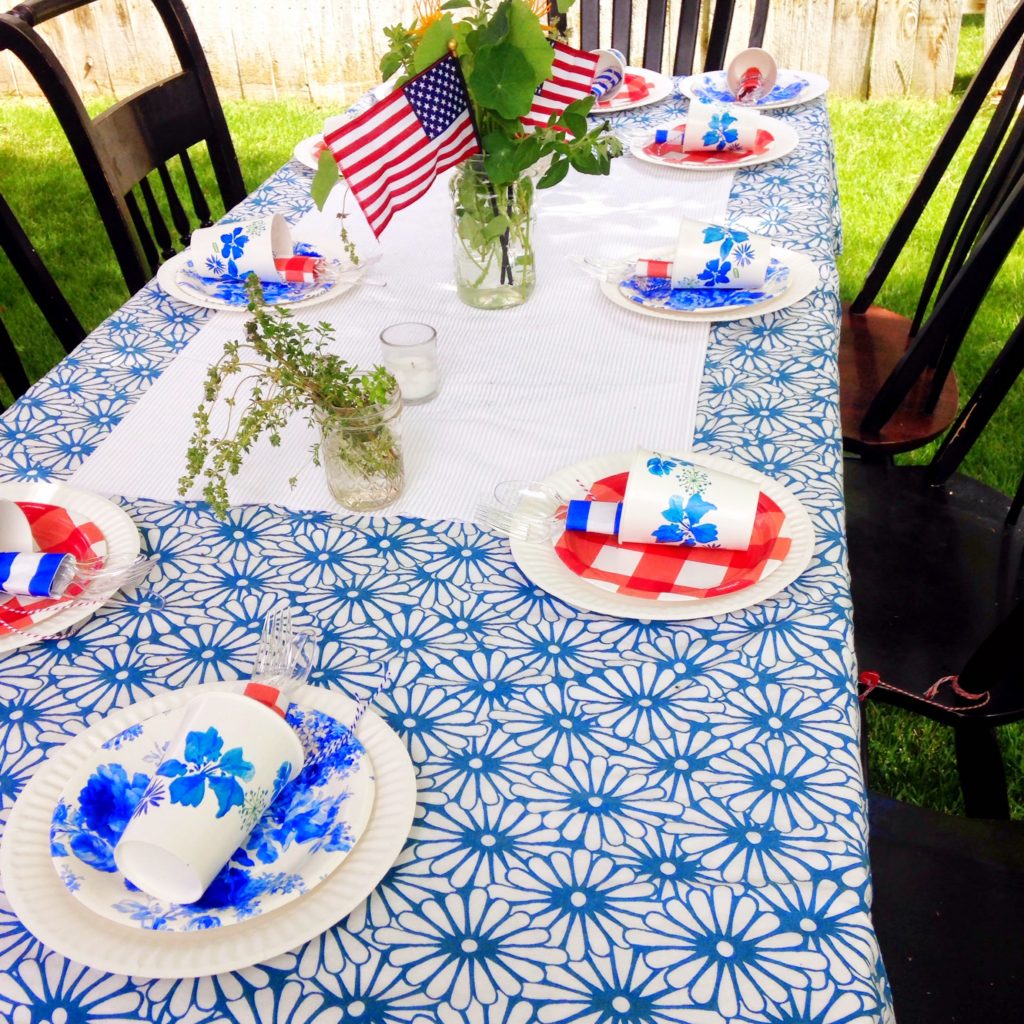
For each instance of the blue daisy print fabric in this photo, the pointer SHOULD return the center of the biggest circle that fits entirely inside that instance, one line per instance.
(618, 821)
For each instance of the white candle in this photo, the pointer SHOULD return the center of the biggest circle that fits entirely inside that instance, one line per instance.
(410, 353)
(418, 377)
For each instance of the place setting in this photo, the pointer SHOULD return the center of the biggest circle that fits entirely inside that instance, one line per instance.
(753, 78)
(714, 136)
(211, 828)
(651, 535)
(714, 273)
(621, 87)
(64, 553)
(299, 273)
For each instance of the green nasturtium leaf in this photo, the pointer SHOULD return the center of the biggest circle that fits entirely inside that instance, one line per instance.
(502, 80)
(526, 35)
(434, 44)
(496, 30)
(325, 179)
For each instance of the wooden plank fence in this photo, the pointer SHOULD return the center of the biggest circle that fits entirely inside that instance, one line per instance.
(327, 51)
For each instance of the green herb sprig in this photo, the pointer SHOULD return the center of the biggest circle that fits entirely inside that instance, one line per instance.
(284, 364)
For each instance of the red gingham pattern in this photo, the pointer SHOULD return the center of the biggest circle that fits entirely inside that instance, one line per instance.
(672, 153)
(53, 529)
(656, 570)
(634, 88)
(297, 269)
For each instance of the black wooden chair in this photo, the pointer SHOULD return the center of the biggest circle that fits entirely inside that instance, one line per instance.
(936, 559)
(121, 148)
(947, 908)
(658, 25)
(879, 419)
(42, 288)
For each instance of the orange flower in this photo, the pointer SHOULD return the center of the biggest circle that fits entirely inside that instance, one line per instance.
(542, 9)
(427, 12)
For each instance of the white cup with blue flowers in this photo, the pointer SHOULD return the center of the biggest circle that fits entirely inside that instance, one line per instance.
(720, 129)
(238, 248)
(671, 500)
(227, 763)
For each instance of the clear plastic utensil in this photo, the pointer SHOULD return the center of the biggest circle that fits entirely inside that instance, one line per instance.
(495, 519)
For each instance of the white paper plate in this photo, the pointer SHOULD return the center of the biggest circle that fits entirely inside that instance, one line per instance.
(661, 88)
(803, 279)
(540, 562)
(171, 280)
(345, 794)
(306, 153)
(784, 141)
(121, 546)
(791, 89)
(57, 919)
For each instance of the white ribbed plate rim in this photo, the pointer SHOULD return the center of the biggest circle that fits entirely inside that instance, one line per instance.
(57, 919)
(803, 279)
(784, 141)
(119, 532)
(540, 562)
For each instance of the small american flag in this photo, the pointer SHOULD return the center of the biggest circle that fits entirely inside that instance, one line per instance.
(571, 77)
(390, 154)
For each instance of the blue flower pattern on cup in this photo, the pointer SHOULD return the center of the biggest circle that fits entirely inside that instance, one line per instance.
(307, 812)
(361, 968)
(207, 763)
(720, 134)
(683, 522)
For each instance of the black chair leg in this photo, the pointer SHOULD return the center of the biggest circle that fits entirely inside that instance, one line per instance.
(982, 775)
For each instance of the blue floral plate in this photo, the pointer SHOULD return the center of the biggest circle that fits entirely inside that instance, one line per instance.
(658, 293)
(180, 279)
(790, 89)
(304, 835)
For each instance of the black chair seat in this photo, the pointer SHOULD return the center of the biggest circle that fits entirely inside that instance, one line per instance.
(933, 571)
(948, 909)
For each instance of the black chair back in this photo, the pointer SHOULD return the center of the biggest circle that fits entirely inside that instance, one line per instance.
(120, 149)
(39, 283)
(904, 411)
(692, 17)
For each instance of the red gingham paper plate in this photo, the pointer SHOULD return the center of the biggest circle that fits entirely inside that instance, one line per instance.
(657, 581)
(659, 87)
(67, 520)
(674, 572)
(775, 139)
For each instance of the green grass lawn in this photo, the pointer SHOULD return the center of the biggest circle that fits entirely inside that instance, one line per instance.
(881, 148)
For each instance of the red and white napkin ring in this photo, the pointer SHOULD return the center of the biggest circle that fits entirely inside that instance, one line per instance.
(270, 696)
(299, 269)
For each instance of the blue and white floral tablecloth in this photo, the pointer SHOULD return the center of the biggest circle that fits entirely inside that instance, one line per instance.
(620, 822)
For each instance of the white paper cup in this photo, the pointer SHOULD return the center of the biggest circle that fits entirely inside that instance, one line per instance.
(670, 500)
(719, 256)
(241, 248)
(713, 127)
(231, 757)
(754, 67)
(609, 75)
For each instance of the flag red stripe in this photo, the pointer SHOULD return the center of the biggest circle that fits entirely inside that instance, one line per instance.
(431, 165)
(408, 163)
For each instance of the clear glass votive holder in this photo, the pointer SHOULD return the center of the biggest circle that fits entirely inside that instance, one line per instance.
(410, 353)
